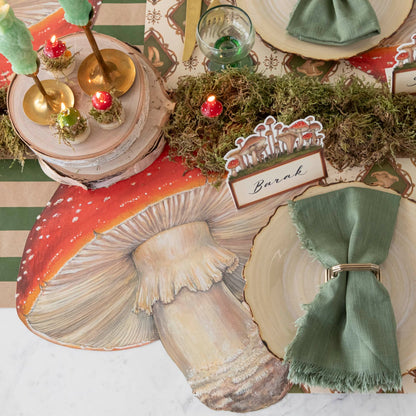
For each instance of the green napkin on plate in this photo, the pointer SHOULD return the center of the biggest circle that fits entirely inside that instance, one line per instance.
(333, 22)
(346, 340)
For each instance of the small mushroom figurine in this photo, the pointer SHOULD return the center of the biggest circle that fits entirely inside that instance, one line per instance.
(157, 256)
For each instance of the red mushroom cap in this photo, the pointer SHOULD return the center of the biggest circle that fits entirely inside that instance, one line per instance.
(307, 136)
(54, 48)
(233, 163)
(402, 55)
(300, 124)
(73, 216)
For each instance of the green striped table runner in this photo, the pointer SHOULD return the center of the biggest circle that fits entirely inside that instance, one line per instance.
(24, 193)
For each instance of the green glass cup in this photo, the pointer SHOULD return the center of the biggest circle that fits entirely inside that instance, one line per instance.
(225, 35)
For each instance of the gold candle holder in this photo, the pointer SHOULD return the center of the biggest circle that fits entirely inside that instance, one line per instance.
(106, 69)
(44, 99)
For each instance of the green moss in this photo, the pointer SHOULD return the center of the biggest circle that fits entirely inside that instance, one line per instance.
(108, 116)
(11, 147)
(363, 123)
(67, 134)
(57, 64)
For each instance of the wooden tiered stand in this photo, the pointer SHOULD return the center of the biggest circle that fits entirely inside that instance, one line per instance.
(107, 156)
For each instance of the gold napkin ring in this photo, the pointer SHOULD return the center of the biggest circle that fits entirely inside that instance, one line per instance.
(334, 270)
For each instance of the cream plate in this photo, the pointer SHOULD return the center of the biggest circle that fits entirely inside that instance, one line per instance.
(270, 18)
(281, 276)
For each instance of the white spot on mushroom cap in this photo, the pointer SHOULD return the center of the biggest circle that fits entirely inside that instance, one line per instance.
(58, 201)
(75, 219)
(77, 211)
(31, 256)
(70, 199)
(19, 278)
(38, 217)
(89, 203)
(38, 228)
(57, 214)
(107, 198)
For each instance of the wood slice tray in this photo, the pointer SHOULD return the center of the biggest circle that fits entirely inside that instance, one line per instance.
(107, 155)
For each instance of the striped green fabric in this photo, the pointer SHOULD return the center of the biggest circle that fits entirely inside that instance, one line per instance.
(14, 219)
(24, 193)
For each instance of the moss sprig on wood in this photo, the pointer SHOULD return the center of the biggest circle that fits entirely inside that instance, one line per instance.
(11, 147)
(363, 123)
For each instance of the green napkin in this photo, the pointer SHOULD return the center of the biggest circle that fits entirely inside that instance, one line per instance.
(333, 22)
(346, 341)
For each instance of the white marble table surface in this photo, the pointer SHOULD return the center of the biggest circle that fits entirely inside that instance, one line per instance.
(40, 378)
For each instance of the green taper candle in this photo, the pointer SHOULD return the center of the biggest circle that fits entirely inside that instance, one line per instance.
(16, 42)
(77, 12)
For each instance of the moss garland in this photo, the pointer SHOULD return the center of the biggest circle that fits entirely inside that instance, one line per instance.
(363, 123)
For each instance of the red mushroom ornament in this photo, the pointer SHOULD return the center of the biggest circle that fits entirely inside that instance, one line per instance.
(211, 107)
(102, 100)
(54, 48)
(157, 256)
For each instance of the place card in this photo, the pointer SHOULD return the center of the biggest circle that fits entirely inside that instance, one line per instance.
(274, 159)
(403, 76)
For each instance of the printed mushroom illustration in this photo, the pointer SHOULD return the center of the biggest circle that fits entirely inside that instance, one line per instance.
(299, 127)
(409, 48)
(269, 132)
(276, 145)
(314, 127)
(288, 138)
(384, 178)
(232, 165)
(401, 58)
(254, 146)
(307, 138)
(311, 68)
(236, 153)
(157, 256)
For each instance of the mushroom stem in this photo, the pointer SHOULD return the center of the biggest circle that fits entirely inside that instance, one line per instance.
(208, 333)
(214, 342)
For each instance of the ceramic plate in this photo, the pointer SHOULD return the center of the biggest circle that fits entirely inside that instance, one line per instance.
(281, 277)
(270, 18)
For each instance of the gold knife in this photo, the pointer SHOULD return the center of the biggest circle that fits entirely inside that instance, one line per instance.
(193, 11)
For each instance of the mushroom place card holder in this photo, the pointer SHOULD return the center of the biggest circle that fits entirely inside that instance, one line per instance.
(274, 159)
(402, 75)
